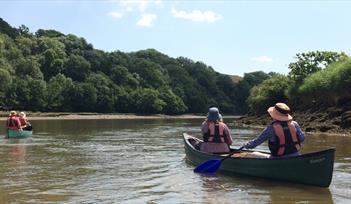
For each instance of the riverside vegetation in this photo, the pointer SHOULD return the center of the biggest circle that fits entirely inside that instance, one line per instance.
(49, 71)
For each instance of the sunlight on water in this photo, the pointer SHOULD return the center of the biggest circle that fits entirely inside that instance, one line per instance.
(143, 161)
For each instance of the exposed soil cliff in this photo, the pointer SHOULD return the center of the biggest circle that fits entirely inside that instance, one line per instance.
(331, 120)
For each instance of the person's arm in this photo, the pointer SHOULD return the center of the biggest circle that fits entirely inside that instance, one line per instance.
(204, 128)
(265, 135)
(19, 124)
(22, 122)
(228, 136)
(299, 132)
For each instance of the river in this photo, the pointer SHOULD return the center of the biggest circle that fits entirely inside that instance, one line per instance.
(143, 161)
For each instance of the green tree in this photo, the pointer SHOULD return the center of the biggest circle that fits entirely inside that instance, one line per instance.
(7, 29)
(77, 68)
(326, 87)
(38, 93)
(26, 45)
(58, 89)
(147, 100)
(120, 58)
(5, 84)
(45, 43)
(119, 74)
(244, 86)
(150, 73)
(154, 56)
(48, 33)
(8, 49)
(184, 85)
(173, 103)
(311, 62)
(98, 59)
(83, 97)
(24, 31)
(105, 94)
(51, 64)
(74, 44)
(268, 93)
(123, 100)
(28, 67)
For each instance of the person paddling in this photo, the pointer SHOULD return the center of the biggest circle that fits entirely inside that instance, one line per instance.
(25, 124)
(216, 134)
(283, 134)
(13, 121)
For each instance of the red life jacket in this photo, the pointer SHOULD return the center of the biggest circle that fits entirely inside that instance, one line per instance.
(215, 132)
(287, 141)
(12, 122)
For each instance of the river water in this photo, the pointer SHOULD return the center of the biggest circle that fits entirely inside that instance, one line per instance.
(143, 161)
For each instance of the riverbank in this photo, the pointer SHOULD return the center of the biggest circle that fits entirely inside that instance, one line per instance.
(329, 121)
(81, 116)
(316, 122)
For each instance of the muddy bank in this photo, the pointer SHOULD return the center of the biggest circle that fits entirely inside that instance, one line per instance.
(81, 116)
(331, 120)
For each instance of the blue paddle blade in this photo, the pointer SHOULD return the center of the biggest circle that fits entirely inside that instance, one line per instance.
(209, 166)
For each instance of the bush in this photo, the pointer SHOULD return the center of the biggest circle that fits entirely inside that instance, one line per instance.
(327, 85)
(268, 93)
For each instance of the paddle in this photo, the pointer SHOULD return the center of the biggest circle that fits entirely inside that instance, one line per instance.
(213, 165)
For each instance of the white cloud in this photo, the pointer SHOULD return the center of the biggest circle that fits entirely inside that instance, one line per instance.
(147, 20)
(140, 5)
(197, 16)
(130, 5)
(115, 14)
(262, 59)
(137, 7)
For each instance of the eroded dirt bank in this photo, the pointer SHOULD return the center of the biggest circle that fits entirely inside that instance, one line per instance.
(331, 120)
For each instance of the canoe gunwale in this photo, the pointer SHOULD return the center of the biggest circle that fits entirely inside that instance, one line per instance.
(18, 134)
(187, 137)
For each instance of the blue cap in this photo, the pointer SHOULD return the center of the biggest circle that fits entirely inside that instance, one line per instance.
(213, 114)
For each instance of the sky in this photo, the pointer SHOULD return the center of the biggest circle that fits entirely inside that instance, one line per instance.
(233, 37)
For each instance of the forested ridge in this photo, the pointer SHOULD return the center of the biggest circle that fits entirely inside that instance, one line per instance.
(50, 71)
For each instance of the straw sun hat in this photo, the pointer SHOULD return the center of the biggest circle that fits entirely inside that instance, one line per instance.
(22, 114)
(280, 111)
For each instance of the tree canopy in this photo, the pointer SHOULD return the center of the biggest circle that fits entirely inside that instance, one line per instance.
(51, 71)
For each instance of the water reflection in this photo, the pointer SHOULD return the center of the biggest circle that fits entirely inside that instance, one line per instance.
(226, 188)
(300, 194)
(17, 151)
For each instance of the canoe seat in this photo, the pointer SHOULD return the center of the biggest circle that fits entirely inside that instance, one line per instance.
(195, 143)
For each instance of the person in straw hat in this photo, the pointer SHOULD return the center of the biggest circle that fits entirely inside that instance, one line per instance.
(216, 134)
(284, 135)
(25, 124)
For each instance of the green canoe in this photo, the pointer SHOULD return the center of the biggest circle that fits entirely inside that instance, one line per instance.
(312, 168)
(18, 134)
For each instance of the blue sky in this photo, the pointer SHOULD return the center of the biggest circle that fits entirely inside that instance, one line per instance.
(234, 37)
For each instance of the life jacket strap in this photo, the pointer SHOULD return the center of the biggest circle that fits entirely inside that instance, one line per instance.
(212, 130)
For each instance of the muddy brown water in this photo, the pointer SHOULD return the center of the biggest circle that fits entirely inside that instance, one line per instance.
(143, 161)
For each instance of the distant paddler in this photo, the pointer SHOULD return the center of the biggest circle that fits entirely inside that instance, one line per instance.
(25, 124)
(13, 122)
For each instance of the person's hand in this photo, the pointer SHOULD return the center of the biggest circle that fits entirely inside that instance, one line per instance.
(245, 145)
